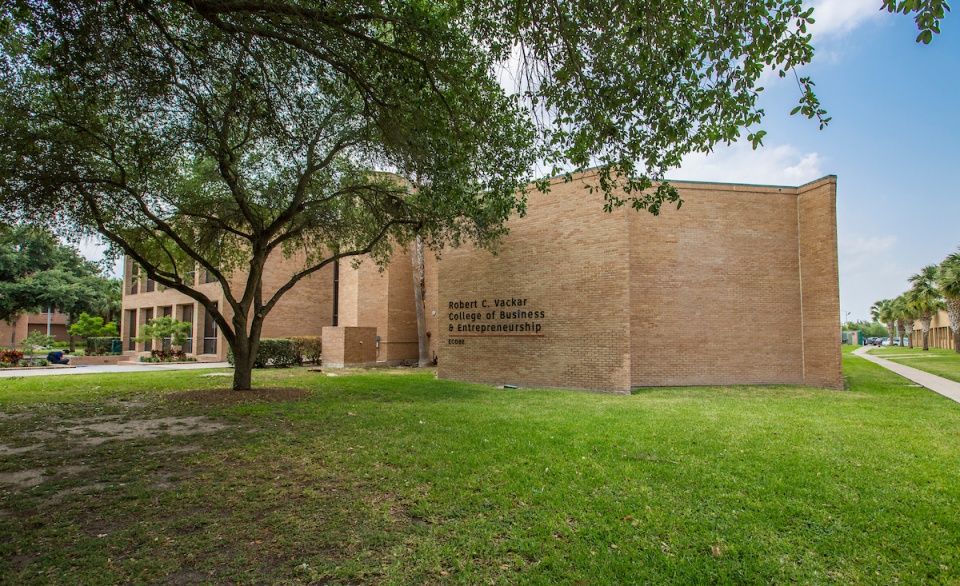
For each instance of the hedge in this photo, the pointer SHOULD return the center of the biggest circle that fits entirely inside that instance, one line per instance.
(308, 348)
(94, 344)
(275, 352)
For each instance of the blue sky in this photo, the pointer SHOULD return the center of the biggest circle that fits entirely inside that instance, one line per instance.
(893, 143)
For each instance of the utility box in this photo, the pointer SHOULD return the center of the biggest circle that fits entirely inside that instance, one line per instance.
(343, 346)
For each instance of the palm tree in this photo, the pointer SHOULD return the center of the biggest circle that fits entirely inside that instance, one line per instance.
(948, 280)
(906, 316)
(899, 309)
(884, 312)
(925, 298)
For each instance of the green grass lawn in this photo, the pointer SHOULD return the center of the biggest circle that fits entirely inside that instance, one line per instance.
(396, 478)
(945, 363)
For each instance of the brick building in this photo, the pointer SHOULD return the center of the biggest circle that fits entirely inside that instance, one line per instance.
(940, 335)
(366, 296)
(739, 286)
(53, 322)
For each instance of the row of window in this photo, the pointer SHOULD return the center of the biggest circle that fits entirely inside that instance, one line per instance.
(186, 315)
(149, 285)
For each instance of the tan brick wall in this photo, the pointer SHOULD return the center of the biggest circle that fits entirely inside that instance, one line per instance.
(400, 342)
(431, 279)
(348, 312)
(382, 297)
(12, 333)
(303, 310)
(566, 258)
(343, 346)
(817, 221)
(715, 288)
(709, 294)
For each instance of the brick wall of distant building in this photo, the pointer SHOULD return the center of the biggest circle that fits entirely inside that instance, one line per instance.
(12, 333)
(940, 335)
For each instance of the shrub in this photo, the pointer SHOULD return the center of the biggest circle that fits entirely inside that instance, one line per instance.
(308, 348)
(41, 362)
(34, 340)
(163, 355)
(93, 327)
(160, 328)
(11, 357)
(100, 346)
(273, 352)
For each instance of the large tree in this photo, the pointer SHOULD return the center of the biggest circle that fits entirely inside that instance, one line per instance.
(925, 298)
(216, 133)
(948, 281)
(186, 144)
(38, 273)
(885, 312)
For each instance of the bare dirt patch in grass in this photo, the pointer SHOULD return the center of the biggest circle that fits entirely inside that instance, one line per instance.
(22, 478)
(6, 450)
(231, 397)
(112, 429)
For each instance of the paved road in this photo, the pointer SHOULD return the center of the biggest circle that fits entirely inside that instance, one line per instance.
(101, 368)
(937, 384)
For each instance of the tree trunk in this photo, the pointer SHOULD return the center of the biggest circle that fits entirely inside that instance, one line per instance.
(243, 359)
(423, 346)
(909, 326)
(925, 324)
(953, 309)
(70, 320)
(901, 330)
(891, 326)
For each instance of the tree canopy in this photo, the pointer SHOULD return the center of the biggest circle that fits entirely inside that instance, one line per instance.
(37, 273)
(216, 133)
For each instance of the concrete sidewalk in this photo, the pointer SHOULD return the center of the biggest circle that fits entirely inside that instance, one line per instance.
(104, 368)
(937, 384)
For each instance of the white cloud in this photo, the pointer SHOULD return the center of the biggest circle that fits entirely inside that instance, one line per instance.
(859, 245)
(836, 17)
(870, 270)
(739, 163)
(93, 249)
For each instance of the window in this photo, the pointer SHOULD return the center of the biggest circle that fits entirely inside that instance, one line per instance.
(147, 316)
(209, 334)
(209, 277)
(336, 293)
(131, 329)
(166, 312)
(186, 315)
(134, 279)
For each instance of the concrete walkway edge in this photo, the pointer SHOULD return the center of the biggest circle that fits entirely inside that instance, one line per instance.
(937, 384)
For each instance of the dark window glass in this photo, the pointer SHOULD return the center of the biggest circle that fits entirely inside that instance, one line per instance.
(131, 329)
(187, 317)
(147, 316)
(209, 334)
